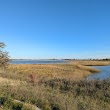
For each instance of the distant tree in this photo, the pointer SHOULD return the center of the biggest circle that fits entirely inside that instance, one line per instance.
(4, 58)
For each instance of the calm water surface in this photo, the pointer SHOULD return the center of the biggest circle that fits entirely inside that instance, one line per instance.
(104, 74)
(37, 61)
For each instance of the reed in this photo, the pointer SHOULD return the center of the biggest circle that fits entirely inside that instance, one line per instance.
(90, 62)
(41, 72)
(53, 87)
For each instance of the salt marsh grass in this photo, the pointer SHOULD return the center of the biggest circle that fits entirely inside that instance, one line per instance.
(52, 87)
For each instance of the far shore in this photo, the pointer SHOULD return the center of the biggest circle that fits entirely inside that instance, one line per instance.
(90, 62)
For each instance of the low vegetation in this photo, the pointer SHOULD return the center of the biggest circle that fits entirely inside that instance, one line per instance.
(91, 62)
(52, 87)
(46, 71)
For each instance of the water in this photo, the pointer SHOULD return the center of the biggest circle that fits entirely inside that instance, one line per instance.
(37, 61)
(103, 74)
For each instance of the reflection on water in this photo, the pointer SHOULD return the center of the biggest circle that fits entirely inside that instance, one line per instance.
(104, 74)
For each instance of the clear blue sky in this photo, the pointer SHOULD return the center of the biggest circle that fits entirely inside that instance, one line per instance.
(55, 28)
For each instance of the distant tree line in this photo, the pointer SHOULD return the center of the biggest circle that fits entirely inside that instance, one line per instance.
(106, 59)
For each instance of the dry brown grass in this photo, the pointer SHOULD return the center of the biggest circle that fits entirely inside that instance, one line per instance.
(90, 63)
(7, 81)
(47, 71)
(55, 85)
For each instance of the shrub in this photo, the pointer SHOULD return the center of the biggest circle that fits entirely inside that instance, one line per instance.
(4, 58)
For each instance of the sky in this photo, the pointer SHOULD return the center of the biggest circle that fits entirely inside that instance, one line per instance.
(45, 29)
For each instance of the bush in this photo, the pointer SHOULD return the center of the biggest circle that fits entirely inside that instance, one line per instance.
(4, 58)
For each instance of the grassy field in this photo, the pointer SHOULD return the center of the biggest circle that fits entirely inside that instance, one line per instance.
(90, 62)
(53, 87)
